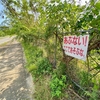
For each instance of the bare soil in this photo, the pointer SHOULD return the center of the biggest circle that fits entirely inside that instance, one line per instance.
(14, 79)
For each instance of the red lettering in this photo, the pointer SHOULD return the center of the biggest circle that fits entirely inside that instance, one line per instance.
(81, 52)
(74, 50)
(71, 50)
(79, 43)
(74, 40)
(66, 47)
(65, 40)
(77, 52)
(70, 40)
(85, 40)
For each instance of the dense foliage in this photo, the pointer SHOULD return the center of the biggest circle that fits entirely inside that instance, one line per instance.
(43, 23)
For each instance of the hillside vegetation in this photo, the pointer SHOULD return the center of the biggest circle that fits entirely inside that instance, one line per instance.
(40, 26)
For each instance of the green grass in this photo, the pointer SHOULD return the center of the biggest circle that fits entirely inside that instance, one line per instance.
(42, 89)
(42, 82)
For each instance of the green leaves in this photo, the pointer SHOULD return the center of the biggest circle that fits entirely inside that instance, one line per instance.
(98, 67)
(94, 94)
(90, 17)
(97, 5)
(44, 66)
(57, 85)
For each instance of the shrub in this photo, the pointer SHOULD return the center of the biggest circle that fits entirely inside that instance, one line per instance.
(57, 85)
(85, 78)
(44, 66)
(61, 69)
(32, 67)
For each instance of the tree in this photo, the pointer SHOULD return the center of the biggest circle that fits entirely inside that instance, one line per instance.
(47, 23)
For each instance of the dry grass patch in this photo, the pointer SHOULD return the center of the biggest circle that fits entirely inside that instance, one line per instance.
(42, 89)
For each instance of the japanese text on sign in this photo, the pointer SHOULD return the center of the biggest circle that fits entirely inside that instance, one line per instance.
(76, 46)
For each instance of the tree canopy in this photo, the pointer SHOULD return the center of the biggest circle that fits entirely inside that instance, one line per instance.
(44, 23)
(48, 21)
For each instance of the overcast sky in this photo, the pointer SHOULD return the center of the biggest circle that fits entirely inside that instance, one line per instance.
(1, 8)
(82, 1)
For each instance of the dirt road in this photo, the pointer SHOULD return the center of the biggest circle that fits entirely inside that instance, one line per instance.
(15, 82)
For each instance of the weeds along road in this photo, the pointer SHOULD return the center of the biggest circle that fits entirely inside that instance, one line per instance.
(15, 82)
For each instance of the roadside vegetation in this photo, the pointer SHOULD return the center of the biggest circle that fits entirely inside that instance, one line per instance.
(40, 26)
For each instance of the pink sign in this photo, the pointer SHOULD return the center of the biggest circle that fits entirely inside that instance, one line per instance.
(76, 46)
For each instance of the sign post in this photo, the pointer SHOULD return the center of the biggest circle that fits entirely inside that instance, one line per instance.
(76, 46)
